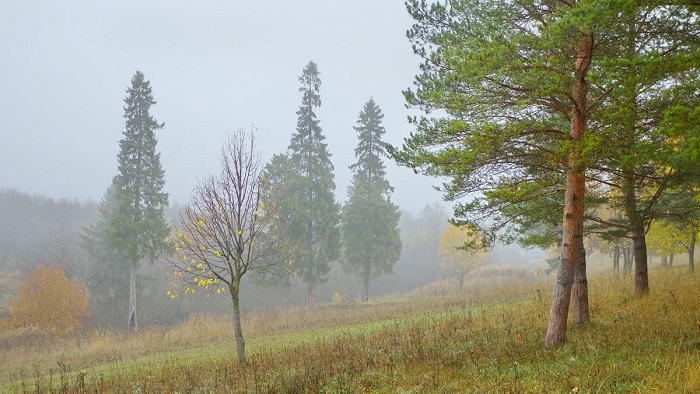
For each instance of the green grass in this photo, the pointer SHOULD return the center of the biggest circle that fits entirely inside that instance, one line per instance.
(483, 340)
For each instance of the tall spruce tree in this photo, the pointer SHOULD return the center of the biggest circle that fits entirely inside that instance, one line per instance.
(308, 202)
(371, 238)
(136, 227)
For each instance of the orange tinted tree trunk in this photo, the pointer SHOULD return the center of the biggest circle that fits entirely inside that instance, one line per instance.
(572, 237)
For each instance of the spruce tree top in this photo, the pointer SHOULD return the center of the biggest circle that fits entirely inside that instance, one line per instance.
(370, 148)
(137, 226)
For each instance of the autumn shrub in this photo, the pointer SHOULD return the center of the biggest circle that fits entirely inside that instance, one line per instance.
(50, 303)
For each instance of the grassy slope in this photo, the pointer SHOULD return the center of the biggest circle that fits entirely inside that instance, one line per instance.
(488, 340)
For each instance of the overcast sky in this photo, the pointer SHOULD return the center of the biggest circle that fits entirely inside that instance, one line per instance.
(214, 66)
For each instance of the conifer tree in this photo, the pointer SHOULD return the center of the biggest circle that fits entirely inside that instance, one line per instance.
(307, 202)
(371, 239)
(136, 226)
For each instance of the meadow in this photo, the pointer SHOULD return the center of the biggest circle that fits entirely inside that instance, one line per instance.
(487, 338)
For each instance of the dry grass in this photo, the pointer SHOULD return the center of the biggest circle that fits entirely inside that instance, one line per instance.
(436, 340)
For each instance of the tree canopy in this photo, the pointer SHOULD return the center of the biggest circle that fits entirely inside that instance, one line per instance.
(371, 239)
(304, 189)
(135, 225)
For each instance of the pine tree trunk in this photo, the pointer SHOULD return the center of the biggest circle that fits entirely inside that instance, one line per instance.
(573, 202)
(237, 328)
(616, 261)
(691, 251)
(670, 261)
(132, 321)
(579, 292)
(641, 274)
(365, 282)
(664, 261)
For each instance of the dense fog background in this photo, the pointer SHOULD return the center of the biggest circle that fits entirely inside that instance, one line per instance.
(214, 66)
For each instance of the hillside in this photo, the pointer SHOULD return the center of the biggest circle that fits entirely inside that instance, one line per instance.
(486, 339)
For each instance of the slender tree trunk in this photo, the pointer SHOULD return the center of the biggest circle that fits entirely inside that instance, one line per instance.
(365, 282)
(237, 328)
(132, 321)
(670, 261)
(616, 261)
(573, 202)
(691, 250)
(460, 277)
(664, 261)
(641, 274)
(579, 292)
(625, 261)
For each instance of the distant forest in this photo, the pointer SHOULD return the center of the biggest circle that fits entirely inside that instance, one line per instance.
(36, 230)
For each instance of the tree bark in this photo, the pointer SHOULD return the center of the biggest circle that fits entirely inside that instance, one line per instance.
(670, 261)
(237, 328)
(579, 292)
(641, 274)
(132, 321)
(639, 244)
(691, 250)
(573, 201)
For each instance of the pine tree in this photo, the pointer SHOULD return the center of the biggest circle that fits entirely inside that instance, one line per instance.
(308, 202)
(371, 239)
(136, 227)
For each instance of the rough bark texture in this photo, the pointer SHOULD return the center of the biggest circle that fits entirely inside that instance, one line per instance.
(579, 292)
(639, 245)
(573, 202)
(132, 321)
(641, 274)
(237, 329)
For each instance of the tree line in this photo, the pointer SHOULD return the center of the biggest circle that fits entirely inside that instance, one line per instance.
(278, 221)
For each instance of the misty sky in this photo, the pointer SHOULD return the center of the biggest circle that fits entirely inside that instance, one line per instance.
(214, 66)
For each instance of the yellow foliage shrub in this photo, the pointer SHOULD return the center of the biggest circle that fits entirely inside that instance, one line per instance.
(50, 302)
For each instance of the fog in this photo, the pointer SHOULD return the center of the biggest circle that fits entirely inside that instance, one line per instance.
(214, 66)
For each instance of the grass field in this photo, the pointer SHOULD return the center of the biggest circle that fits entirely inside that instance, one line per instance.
(486, 339)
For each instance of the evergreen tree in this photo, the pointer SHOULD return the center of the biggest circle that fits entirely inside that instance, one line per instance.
(521, 91)
(371, 238)
(136, 226)
(307, 200)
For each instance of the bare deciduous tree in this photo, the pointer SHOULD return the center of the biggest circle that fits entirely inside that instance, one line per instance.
(227, 229)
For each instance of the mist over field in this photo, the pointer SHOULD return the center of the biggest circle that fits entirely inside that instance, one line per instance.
(349, 196)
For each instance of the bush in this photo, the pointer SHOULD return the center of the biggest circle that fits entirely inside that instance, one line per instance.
(50, 302)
